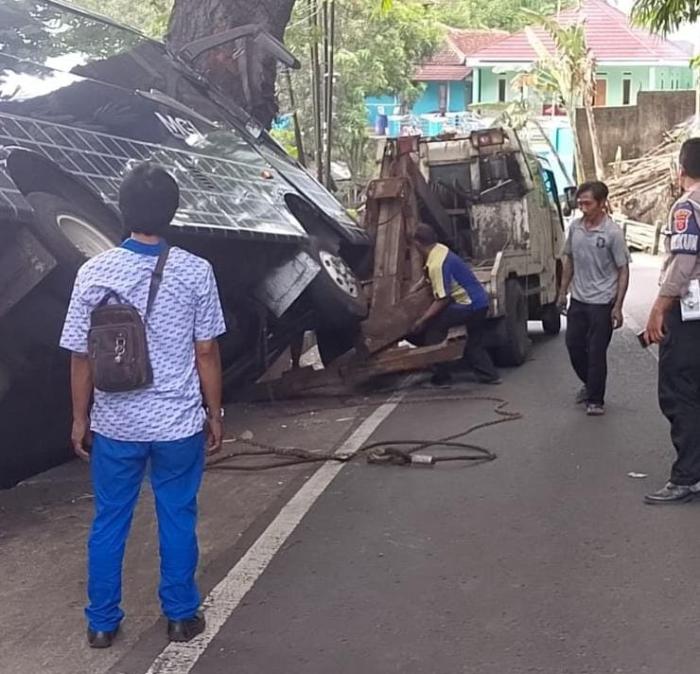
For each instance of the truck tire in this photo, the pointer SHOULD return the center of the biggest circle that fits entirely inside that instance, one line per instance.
(71, 232)
(551, 319)
(38, 319)
(514, 350)
(336, 293)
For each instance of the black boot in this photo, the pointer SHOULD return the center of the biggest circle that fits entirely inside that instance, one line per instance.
(101, 639)
(186, 630)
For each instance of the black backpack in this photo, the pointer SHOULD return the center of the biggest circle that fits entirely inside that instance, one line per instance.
(117, 346)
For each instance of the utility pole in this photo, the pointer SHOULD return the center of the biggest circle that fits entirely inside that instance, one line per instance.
(324, 92)
(696, 76)
(316, 88)
(298, 138)
(330, 83)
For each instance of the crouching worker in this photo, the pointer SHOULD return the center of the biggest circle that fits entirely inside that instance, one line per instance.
(459, 299)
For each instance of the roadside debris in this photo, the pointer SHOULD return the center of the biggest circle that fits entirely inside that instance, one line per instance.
(637, 476)
(644, 188)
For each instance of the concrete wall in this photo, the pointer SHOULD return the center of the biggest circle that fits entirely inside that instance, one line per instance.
(374, 103)
(430, 100)
(488, 90)
(635, 129)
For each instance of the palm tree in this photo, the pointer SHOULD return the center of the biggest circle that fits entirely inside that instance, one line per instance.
(664, 16)
(568, 74)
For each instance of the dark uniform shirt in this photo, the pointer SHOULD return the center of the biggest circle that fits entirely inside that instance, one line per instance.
(683, 245)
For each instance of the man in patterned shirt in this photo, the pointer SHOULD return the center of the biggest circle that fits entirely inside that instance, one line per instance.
(163, 424)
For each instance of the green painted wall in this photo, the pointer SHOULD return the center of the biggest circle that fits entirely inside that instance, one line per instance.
(641, 78)
(489, 85)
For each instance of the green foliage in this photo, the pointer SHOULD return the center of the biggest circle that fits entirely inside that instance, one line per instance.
(570, 71)
(285, 137)
(148, 16)
(501, 14)
(568, 74)
(665, 16)
(376, 53)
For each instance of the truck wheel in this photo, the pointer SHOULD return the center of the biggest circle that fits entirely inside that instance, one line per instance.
(336, 293)
(551, 319)
(72, 233)
(517, 343)
(332, 344)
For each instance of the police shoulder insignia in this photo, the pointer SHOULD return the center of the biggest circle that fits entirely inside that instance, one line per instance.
(685, 237)
(681, 218)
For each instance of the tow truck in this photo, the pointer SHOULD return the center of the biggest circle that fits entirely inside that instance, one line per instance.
(493, 202)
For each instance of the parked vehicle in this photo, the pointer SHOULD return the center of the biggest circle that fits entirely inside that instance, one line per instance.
(80, 99)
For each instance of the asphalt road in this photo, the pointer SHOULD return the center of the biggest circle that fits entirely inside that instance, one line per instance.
(545, 560)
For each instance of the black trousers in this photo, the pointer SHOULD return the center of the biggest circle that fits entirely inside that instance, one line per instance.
(588, 333)
(475, 355)
(679, 394)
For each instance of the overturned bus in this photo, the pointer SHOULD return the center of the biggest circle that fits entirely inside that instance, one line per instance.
(80, 99)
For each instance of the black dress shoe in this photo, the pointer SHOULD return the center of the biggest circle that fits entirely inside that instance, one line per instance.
(101, 639)
(186, 630)
(670, 494)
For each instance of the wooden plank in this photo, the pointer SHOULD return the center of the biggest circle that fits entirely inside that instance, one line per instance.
(384, 328)
(405, 359)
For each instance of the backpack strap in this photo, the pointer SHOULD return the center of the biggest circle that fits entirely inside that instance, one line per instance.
(156, 278)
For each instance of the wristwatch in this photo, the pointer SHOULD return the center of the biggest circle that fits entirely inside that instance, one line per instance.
(220, 415)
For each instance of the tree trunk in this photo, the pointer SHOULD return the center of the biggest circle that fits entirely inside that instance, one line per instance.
(595, 143)
(578, 152)
(250, 82)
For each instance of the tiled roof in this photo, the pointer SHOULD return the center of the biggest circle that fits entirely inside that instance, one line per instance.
(449, 62)
(469, 42)
(608, 32)
(434, 72)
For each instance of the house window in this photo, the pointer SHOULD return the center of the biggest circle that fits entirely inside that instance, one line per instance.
(442, 98)
(626, 88)
(501, 90)
(469, 90)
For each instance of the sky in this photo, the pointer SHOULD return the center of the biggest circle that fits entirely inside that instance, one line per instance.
(687, 33)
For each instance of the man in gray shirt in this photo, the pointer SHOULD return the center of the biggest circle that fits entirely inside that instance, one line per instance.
(596, 267)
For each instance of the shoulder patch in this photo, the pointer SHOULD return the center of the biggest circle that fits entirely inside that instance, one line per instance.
(681, 218)
(685, 236)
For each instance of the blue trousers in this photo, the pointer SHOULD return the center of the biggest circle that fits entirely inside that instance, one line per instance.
(117, 471)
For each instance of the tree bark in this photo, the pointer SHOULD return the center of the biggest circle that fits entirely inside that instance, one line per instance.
(250, 82)
(578, 152)
(595, 142)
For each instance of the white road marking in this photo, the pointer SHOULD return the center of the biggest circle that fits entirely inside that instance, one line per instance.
(225, 597)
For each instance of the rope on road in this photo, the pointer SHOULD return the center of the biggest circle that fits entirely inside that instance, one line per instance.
(391, 452)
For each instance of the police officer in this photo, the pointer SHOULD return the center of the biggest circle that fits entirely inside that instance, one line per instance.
(679, 339)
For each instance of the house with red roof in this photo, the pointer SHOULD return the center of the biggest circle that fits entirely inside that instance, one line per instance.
(628, 59)
(447, 80)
